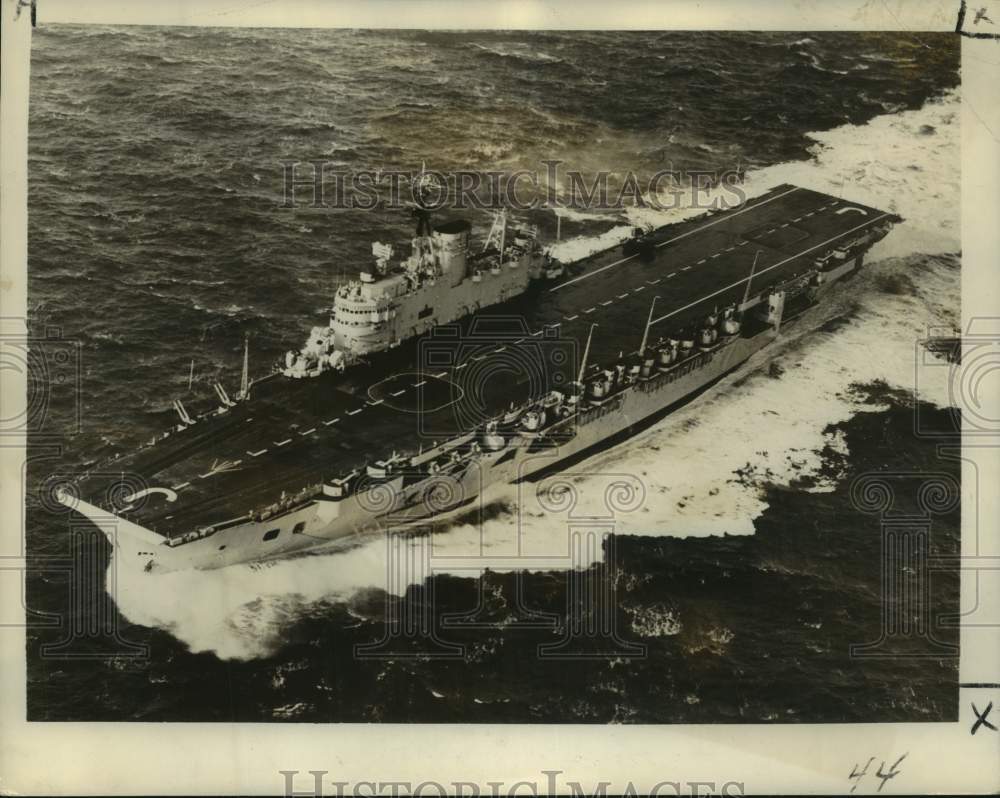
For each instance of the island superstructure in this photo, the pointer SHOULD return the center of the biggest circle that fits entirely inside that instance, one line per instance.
(441, 281)
(559, 359)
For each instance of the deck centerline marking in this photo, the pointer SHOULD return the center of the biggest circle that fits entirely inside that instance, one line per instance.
(637, 290)
(685, 268)
(331, 421)
(418, 384)
(308, 432)
(439, 375)
(354, 412)
(574, 317)
(723, 218)
(375, 402)
(256, 454)
(399, 393)
(605, 304)
(282, 443)
(764, 271)
(181, 486)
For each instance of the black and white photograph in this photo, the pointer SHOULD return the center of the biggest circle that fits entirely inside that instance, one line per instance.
(503, 376)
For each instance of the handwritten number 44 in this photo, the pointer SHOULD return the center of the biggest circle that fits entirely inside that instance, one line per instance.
(882, 773)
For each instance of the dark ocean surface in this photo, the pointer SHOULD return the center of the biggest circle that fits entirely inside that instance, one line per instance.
(156, 237)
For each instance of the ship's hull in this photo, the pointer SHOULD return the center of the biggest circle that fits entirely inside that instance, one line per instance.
(394, 505)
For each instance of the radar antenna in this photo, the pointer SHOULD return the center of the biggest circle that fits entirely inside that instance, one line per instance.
(421, 187)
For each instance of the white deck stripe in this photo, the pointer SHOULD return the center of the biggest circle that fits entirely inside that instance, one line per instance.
(354, 412)
(282, 443)
(764, 271)
(331, 421)
(725, 217)
(308, 432)
(256, 454)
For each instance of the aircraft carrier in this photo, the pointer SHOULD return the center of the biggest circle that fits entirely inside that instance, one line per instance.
(448, 372)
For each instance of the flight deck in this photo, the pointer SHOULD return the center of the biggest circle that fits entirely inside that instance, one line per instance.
(292, 434)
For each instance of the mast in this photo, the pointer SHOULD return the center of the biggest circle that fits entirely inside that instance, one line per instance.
(649, 321)
(245, 381)
(503, 232)
(746, 294)
(498, 232)
(586, 352)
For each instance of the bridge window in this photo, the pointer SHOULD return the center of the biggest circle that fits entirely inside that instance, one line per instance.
(271, 534)
(299, 528)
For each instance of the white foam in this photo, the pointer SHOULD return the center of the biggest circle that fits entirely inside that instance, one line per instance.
(703, 468)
